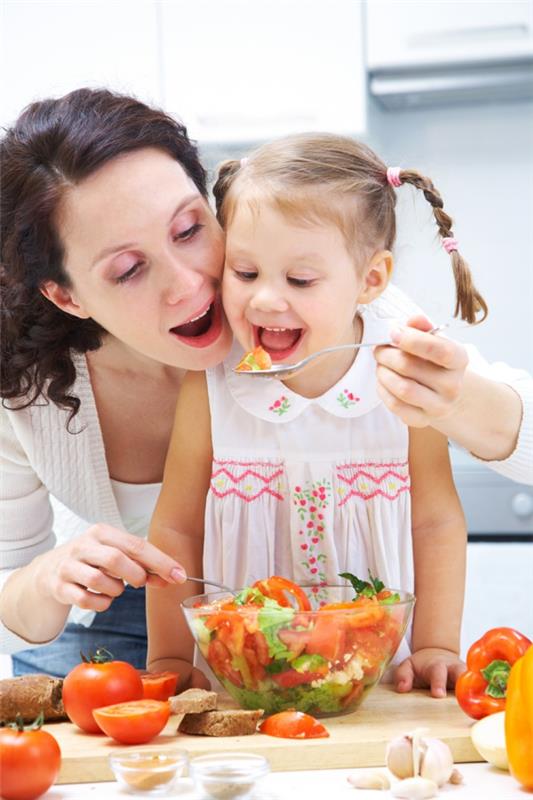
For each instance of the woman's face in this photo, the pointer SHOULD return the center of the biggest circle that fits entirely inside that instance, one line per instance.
(144, 254)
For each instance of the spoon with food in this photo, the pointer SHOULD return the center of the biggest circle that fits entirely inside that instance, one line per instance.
(258, 363)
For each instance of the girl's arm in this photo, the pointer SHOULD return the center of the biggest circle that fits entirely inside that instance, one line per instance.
(177, 528)
(439, 549)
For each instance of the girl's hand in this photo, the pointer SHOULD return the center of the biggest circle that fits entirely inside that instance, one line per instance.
(421, 378)
(430, 666)
(91, 570)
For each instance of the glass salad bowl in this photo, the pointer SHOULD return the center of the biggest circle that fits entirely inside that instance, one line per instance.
(317, 649)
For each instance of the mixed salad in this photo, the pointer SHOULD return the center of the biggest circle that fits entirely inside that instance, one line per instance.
(257, 359)
(271, 650)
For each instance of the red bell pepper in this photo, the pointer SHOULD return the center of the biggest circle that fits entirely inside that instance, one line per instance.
(481, 690)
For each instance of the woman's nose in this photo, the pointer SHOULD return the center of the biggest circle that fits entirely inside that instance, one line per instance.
(182, 282)
(266, 298)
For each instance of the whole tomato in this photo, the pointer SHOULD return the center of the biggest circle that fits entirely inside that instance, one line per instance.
(96, 682)
(29, 761)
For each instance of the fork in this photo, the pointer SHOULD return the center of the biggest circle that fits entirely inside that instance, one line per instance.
(281, 371)
(212, 583)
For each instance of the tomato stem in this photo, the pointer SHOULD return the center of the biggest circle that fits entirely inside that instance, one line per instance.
(100, 656)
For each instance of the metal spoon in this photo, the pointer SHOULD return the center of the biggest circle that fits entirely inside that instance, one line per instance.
(281, 371)
(212, 583)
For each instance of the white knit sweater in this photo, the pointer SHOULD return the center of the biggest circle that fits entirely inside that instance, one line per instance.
(39, 458)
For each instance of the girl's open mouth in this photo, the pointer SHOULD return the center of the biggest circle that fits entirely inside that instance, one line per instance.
(203, 329)
(280, 343)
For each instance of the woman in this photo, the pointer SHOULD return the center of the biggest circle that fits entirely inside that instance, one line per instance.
(111, 259)
(111, 264)
(487, 409)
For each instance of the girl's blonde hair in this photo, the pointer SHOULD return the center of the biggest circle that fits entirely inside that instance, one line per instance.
(323, 177)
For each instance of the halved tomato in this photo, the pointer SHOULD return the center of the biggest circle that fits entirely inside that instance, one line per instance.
(293, 725)
(133, 723)
(159, 685)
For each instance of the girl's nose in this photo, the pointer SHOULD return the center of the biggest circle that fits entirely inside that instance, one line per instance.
(265, 298)
(181, 283)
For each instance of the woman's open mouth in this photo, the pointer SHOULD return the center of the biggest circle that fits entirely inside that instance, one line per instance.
(280, 343)
(202, 329)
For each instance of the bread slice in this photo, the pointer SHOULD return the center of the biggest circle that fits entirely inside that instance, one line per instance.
(193, 701)
(230, 722)
(28, 695)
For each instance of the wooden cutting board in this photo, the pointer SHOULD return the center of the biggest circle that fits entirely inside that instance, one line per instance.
(356, 740)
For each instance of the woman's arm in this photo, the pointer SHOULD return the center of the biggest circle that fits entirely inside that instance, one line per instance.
(41, 582)
(177, 528)
(439, 549)
(426, 380)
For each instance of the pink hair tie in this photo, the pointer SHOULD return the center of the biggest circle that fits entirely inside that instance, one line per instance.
(393, 176)
(450, 244)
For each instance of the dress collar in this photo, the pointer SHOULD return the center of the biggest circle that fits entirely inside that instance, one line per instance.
(353, 395)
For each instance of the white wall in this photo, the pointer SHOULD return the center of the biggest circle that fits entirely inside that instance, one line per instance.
(481, 160)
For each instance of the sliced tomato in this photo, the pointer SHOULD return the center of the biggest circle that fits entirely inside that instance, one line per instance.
(159, 685)
(328, 637)
(281, 590)
(296, 641)
(219, 659)
(293, 678)
(293, 725)
(133, 723)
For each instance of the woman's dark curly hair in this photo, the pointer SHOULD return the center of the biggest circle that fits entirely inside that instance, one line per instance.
(55, 144)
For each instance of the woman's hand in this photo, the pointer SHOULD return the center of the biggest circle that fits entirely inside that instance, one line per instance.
(91, 570)
(430, 666)
(421, 378)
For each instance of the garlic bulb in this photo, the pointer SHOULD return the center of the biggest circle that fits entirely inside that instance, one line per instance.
(412, 755)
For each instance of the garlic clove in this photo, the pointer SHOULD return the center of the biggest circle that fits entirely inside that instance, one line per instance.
(417, 788)
(436, 761)
(456, 777)
(399, 757)
(369, 780)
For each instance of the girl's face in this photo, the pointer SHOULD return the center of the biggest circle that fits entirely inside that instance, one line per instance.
(293, 288)
(144, 253)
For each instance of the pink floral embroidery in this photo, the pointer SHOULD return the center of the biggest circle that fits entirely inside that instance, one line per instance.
(347, 399)
(280, 406)
(372, 479)
(309, 502)
(247, 480)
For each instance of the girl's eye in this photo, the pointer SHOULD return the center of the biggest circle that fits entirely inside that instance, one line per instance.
(301, 282)
(189, 233)
(245, 276)
(127, 276)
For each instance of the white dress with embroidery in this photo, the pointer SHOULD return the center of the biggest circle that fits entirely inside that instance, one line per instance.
(308, 487)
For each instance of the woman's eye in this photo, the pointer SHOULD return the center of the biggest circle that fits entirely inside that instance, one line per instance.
(127, 276)
(189, 233)
(302, 282)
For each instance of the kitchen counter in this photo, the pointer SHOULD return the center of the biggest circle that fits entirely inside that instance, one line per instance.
(481, 782)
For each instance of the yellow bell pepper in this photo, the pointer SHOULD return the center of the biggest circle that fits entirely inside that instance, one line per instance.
(519, 720)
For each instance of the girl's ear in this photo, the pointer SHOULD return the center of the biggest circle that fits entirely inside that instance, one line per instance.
(377, 276)
(63, 298)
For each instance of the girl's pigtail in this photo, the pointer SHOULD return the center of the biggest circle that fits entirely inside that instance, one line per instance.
(469, 302)
(225, 177)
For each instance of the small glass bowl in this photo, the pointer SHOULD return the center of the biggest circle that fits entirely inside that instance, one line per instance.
(150, 771)
(228, 776)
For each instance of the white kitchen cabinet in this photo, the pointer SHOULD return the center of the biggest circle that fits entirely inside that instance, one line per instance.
(409, 33)
(241, 71)
(50, 48)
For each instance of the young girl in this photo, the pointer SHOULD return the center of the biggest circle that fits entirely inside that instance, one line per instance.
(313, 476)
